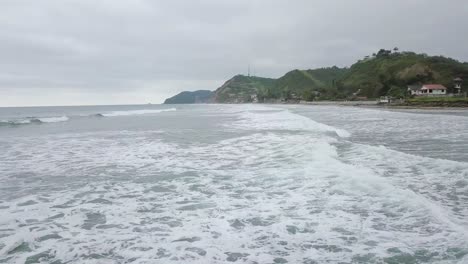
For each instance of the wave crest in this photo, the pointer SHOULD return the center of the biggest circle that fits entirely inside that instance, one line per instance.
(64, 118)
(280, 119)
(34, 120)
(136, 112)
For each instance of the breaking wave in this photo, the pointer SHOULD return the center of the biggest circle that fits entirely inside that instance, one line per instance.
(270, 187)
(137, 112)
(64, 118)
(34, 120)
(53, 119)
(275, 119)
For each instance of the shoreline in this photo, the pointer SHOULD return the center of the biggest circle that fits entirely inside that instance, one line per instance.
(375, 104)
(414, 107)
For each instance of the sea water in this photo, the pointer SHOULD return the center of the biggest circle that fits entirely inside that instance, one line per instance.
(233, 184)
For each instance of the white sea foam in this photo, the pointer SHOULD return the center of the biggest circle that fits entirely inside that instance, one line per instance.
(53, 119)
(30, 120)
(138, 112)
(281, 189)
(22, 121)
(15, 122)
(267, 118)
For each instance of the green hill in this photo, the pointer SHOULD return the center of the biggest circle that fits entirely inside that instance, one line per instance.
(388, 73)
(307, 84)
(241, 89)
(384, 73)
(296, 84)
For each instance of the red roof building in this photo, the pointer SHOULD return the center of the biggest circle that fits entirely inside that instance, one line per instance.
(434, 87)
(428, 90)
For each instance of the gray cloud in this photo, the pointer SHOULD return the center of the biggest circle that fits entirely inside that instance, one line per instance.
(119, 51)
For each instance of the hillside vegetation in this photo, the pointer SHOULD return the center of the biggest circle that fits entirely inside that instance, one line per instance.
(240, 89)
(388, 73)
(383, 73)
(309, 84)
(296, 84)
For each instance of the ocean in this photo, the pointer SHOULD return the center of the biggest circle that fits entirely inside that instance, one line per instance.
(233, 184)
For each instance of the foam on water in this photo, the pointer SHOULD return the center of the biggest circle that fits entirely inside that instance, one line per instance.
(53, 119)
(31, 120)
(64, 118)
(138, 112)
(287, 189)
(267, 118)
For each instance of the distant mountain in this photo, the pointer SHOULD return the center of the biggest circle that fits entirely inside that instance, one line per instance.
(196, 97)
(383, 73)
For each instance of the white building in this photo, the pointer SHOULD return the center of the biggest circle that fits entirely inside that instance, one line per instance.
(428, 90)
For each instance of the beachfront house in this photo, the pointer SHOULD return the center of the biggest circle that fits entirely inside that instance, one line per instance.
(427, 90)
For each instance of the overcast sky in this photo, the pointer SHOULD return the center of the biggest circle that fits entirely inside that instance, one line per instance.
(60, 52)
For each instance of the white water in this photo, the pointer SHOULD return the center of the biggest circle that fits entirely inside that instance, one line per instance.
(64, 118)
(53, 119)
(138, 112)
(35, 120)
(268, 186)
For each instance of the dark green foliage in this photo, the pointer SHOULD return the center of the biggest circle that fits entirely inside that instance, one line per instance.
(397, 92)
(383, 53)
(308, 96)
(376, 76)
(306, 82)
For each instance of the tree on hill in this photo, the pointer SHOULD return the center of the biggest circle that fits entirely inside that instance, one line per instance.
(383, 53)
(376, 77)
(286, 93)
(397, 92)
(308, 95)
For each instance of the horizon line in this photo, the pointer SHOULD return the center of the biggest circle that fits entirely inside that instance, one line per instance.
(20, 106)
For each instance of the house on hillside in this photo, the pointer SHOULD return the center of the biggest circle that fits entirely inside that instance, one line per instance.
(427, 90)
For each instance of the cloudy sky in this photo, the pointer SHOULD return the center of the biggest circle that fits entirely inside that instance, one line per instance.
(74, 52)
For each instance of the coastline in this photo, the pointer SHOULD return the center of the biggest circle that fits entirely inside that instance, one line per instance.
(375, 104)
